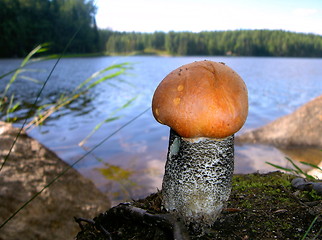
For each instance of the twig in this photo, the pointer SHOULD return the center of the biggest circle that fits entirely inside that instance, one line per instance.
(93, 223)
(80, 220)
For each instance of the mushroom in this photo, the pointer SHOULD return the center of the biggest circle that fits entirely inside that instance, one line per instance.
(204, 103)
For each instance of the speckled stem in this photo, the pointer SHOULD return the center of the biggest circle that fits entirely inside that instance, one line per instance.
(197, 179)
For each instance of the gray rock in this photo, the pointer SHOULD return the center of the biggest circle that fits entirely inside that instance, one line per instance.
(30, 167)
(302, 128)
(317, 186)
(302, 184)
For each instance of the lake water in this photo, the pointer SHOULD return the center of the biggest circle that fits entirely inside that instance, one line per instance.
(133, 159)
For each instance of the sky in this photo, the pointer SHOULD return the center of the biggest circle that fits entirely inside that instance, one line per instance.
(209, 15)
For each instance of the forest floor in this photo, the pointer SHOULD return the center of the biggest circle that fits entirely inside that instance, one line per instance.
(261, 206)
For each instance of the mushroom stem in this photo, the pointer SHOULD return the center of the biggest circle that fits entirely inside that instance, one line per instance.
(197, 179)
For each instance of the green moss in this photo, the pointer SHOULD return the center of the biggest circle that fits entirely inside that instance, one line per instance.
(256, 180)
(261, 206)
(268, 207)
(264, 188)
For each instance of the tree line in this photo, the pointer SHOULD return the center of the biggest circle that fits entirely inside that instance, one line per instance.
(238, 42)
(24, 24)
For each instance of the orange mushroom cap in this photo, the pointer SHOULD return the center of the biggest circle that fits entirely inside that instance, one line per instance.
(202, 99)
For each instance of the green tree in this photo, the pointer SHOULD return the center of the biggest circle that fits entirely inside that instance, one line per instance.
(158, 40)
(27, 23)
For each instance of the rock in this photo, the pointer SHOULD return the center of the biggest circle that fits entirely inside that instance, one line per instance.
(302, 184)
(302, 128)
(305, 185)
(29, 168)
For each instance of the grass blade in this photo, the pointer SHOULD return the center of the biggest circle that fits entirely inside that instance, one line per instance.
(110, 119)
(98, 126)
(311, 165)
(310, 227)
(9, 73)
(127, 104)
(18, 71)
(103, 79)
(34, 80)
(299, 170)
(71, 166)
(37, 97)
(11, 108)
(282, 168)
(33, 52)
(122, 66)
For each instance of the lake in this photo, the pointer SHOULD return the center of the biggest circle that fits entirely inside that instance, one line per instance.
(130, 163)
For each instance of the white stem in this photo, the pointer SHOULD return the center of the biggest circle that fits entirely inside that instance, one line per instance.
(197, 180)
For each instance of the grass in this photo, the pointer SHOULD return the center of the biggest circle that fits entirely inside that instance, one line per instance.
(268, 209)
(106, 74)
(296, 170)
(9, 106)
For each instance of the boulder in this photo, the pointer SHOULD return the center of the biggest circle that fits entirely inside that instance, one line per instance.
(29, 168)
(302, 128)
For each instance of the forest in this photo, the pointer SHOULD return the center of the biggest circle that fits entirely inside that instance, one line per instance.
(25, 24)
(238, 43)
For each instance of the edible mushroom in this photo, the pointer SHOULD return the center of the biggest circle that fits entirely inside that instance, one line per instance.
(204, 103)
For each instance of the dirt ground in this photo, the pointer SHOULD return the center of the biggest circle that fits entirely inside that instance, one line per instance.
(261, 206)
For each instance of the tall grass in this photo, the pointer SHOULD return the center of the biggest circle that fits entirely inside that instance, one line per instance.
(39, 49)
(106, 74)
(8, 105)
(9, 108)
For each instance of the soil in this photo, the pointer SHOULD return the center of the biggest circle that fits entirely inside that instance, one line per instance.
(261, 206)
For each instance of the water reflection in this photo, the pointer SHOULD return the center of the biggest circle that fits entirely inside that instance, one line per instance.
(144, 168)
(277, 86)
(253, 158)
(309, 155)
(132, 181)
(250, 158)
(146, 164)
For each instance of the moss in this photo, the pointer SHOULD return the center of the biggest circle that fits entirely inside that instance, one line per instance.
(248, 181)
(261, 206)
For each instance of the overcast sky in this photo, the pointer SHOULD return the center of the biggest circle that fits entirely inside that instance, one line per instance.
(199, 15)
